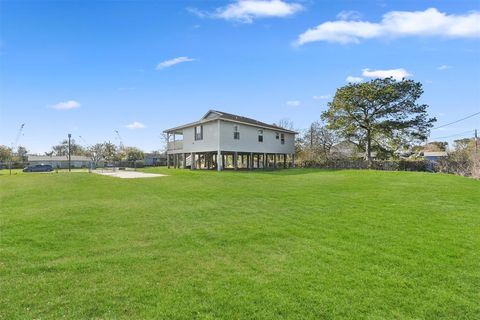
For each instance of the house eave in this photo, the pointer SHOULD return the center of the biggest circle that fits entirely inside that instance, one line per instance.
(188, 125)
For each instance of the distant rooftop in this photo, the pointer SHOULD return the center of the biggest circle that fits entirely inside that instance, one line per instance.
(57, 158)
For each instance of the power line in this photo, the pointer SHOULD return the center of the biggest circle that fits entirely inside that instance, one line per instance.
(453, 135)
(447, 124)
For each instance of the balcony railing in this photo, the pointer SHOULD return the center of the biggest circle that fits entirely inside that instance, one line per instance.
(175, 145)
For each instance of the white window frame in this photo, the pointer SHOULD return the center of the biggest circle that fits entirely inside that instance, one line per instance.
(260, 135)
(236, 133)
(198, 135)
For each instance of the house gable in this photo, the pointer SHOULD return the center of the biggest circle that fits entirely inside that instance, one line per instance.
(211, 114)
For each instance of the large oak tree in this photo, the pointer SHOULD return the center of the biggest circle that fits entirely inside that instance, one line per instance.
(379, 113)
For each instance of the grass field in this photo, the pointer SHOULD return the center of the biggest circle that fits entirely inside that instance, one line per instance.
(291, 244)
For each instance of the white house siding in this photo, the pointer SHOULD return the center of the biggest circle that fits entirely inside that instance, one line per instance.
(248, 141)
(207, 144)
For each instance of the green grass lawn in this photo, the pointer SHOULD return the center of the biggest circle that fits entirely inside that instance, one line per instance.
(290, 244)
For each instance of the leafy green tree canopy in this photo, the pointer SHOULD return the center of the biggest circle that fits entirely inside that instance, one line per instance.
(5, 153)
(371, 114)
(62, 148)
(133, 154)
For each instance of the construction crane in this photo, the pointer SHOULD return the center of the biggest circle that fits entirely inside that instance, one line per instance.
(119, 137)
(15, 145)
(84, 142)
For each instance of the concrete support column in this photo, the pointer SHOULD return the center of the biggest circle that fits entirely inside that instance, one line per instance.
(264, 158)
(219, 161)
(284, 161)
(293, 160)
(258, 161)
(250, 161)
(168, 144)
(275, 160)
(194, 164)
(235, 160)
(184, 160)
(168, 161)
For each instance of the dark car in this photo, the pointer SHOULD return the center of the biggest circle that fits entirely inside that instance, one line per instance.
(39, 168)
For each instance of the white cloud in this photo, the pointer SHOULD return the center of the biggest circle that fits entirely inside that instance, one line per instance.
(135, 125)
(353, 79)
(395, 24)
(293, 103)
(349, 15)
(322, 97)
(248, 10)
(444, 67)
(397, 74)
(66, 105)
(172, 62)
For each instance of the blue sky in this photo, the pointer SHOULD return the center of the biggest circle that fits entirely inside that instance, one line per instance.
(93, 67)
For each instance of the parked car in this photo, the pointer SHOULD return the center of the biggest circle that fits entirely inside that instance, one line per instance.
(39, 168)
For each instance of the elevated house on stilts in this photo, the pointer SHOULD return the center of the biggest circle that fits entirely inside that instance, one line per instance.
(221, 140)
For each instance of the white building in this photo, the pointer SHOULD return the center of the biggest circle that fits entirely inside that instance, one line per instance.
(222, 140)
(60, 162)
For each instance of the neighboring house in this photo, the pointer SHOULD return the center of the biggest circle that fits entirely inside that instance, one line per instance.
(348, 150)
(434, 156)
(222, 140)
(60, 162)
(155, 159)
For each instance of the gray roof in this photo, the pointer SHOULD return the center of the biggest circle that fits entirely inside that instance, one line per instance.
(234, 118)
(57, 158)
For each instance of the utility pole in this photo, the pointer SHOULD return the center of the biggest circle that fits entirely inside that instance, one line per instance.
(476, 142)
(311, 135)
(120, 144)
(311, 141)
(69, 153)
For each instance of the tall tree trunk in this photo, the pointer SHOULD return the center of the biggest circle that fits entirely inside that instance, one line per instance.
(369, 149)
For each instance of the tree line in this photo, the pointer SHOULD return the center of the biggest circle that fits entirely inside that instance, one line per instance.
(104, 151)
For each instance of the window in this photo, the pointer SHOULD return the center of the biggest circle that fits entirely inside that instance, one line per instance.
(236, 134)
(260, 135)
(282, 139)
(198, 132)
(277, 135)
